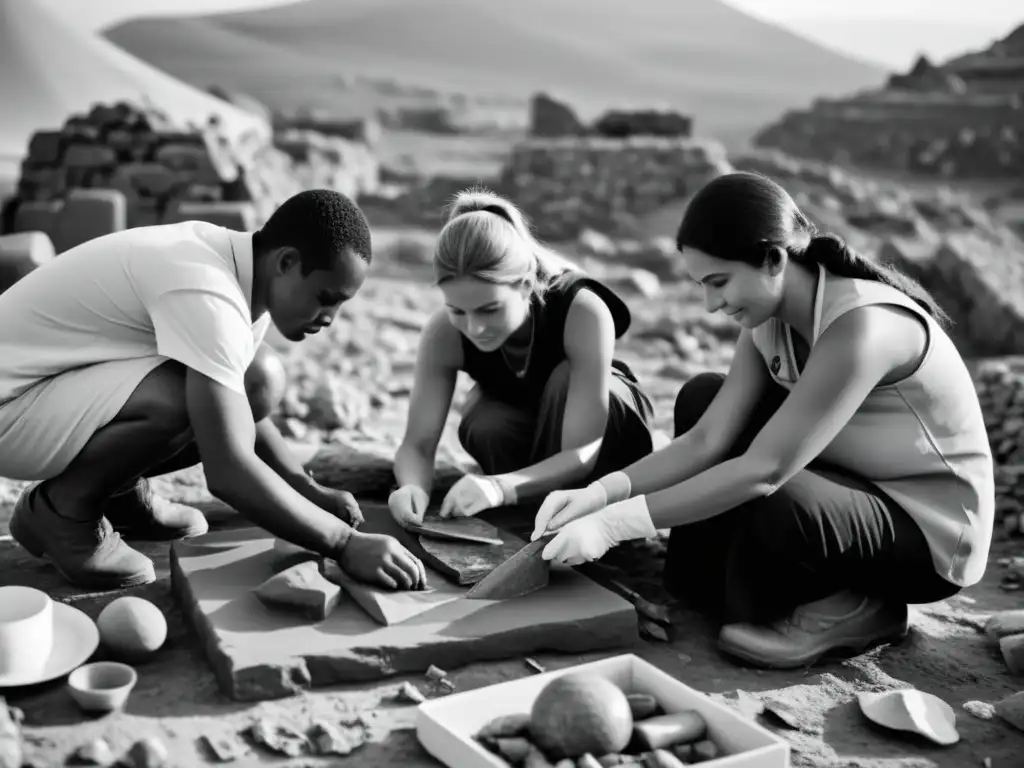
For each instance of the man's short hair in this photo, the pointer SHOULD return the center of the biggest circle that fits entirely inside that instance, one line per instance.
(320, 224)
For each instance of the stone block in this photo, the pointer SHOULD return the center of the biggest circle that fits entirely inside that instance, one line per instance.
(88, 214)
(20, 253)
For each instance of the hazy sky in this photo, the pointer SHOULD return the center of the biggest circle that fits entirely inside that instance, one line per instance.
(891, 32)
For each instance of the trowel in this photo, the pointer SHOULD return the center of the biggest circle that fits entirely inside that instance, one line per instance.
(525, 572)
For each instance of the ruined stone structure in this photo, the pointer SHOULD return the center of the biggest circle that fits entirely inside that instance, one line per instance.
(566, 185)
(120, 166)
(1000, 69)
(962, 120)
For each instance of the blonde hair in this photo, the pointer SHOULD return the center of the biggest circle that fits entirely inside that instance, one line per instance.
(488, 237)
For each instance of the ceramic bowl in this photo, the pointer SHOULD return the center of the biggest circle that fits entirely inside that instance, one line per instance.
(102, 686)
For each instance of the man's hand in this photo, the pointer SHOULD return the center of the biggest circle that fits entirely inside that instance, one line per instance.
(382, 560)
(341, 504)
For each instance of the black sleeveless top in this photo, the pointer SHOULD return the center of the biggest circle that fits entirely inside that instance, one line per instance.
(497, 379)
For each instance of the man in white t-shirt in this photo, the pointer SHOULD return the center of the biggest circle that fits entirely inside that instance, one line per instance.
(136, 354)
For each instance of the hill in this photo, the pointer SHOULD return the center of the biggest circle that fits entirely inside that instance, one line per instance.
(731, 71)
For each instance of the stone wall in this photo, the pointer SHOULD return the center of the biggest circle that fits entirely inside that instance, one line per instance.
(569, 184)
(938, 139)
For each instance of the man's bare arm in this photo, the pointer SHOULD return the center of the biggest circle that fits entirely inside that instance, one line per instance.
(226, 437)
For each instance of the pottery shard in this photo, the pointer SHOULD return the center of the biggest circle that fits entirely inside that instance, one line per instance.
(95, 752)
(223, 749)
(10, 738)
(1011, 709)
(147, 753)
(1004, 624)
(278, 737)
(329, 739)
(301, 587)
(1012, 648)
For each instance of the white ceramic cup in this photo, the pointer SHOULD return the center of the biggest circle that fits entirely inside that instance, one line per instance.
(26, 630)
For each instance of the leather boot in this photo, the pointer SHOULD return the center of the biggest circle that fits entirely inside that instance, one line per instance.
(86, 553)
(140, 514)
(813, 631)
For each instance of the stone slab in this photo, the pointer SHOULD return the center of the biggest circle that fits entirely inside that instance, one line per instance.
(258, 653)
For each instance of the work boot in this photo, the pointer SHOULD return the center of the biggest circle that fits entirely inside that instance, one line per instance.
(88, 553)
(140, 514)
(814, 630)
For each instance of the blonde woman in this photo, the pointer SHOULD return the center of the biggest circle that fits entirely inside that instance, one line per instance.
(551, 407)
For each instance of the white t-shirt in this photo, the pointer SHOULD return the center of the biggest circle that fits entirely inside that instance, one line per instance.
(180, 291)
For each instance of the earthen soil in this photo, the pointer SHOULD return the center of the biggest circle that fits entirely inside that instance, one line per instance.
(177, 699)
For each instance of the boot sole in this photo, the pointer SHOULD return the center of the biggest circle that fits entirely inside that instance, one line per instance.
(27, 540)
(846, 647)
(147, 534)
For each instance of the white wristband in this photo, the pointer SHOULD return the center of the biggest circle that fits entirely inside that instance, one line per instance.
(509, 496)
(617, 486)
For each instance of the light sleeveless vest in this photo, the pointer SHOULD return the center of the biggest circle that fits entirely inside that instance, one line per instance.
(921, 440)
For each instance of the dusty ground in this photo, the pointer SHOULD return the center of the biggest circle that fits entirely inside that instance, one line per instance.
(177, 699)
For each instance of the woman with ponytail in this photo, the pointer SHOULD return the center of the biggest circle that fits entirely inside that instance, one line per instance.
(840, 471)
(551, 408)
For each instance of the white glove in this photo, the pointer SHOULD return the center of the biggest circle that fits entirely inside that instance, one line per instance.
(408, 505)
(475, 493)
(589, 538)
(562, 507)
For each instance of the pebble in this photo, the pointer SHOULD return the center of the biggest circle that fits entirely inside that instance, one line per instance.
(95, 752)
(980, 709)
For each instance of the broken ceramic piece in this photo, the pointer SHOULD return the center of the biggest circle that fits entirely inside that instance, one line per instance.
(95, 752)
(147, 753)
(912, 710)
(223, 749)
(10, 736)
(329, 739)
(1011, 709)
(301, 587)
(278, 737)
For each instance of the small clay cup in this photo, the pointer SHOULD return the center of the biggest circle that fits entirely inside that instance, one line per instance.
(26, 630)
(102, 686)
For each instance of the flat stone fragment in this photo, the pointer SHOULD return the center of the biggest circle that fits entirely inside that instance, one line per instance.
(257, 652)
(302, 588)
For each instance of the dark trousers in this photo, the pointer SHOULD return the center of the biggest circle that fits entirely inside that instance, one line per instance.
(822, 532)
(502, 438)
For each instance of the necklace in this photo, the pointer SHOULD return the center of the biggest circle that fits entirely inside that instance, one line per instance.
(520, 373)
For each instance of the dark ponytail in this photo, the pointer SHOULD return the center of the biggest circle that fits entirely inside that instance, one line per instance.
(832, 252)
(742, 216)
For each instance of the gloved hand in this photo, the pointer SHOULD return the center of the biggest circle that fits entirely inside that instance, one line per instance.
(408, 505)
(562, 507)
(475, 493)
(590, 537)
